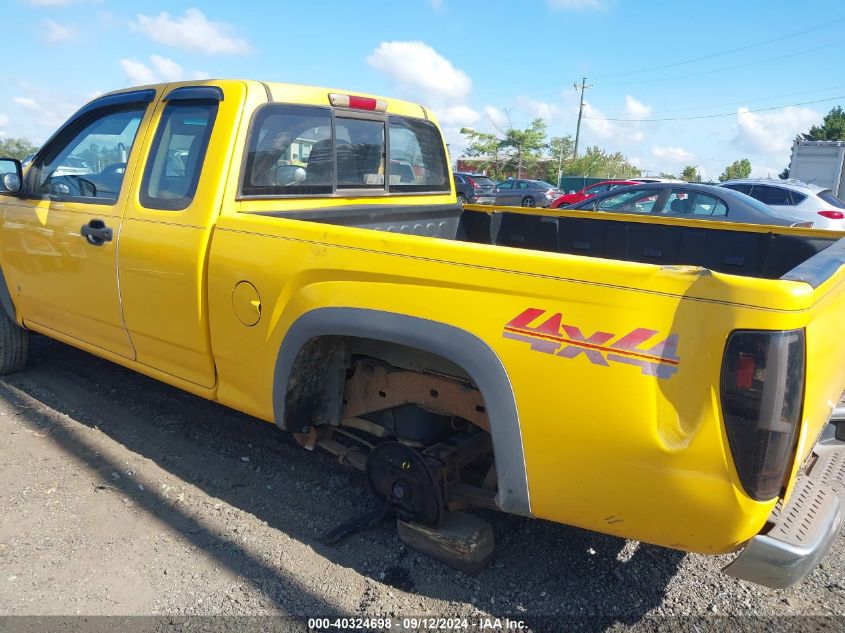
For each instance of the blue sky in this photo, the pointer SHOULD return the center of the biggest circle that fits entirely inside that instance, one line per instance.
(474, 62)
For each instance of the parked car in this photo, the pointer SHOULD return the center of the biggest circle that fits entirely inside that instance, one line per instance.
(702, 202)
(526, 193)
(646, 179)
(590, 191)
(795, 198)
(474, 188)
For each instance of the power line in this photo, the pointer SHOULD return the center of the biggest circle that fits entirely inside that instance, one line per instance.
(756, 99)
(729, 51)
(721, 70)
(714, 116)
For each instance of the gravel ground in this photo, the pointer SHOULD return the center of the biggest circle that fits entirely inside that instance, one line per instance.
(122, 496)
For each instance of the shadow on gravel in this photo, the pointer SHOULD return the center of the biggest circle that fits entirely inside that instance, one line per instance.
(283, 589)
(542, 571)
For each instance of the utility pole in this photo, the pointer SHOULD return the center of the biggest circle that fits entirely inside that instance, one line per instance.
(582, 86)
(559, 164)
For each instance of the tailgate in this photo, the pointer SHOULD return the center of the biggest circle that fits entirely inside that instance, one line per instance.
(825, 340)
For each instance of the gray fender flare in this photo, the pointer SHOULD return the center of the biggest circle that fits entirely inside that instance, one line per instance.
(458, 346)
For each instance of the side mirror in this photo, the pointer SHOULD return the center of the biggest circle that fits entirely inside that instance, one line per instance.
(11, 176)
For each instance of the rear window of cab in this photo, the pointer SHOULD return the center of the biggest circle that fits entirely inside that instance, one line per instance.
(308, 151)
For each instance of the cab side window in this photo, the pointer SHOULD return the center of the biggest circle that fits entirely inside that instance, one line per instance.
(88, 162)
(177, 154)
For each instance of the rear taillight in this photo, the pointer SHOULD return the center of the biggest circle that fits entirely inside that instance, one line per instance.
(472, 183)
(833, 215)
(762, 395)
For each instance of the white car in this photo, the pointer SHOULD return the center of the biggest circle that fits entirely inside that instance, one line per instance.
(795, 198)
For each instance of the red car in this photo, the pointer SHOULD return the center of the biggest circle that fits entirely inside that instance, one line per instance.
(589, 192)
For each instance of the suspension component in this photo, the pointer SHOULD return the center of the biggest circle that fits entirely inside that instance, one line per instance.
(407, 480)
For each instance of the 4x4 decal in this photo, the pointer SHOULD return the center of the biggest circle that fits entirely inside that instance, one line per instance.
(551, 336)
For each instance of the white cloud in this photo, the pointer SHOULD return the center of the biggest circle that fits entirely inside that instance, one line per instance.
(578, 5)
(772, 132)
(166, 68)
(596, 122)
(45, 113)
(674, 154)
(421, 73)
(193, 31)
(136, 72)
(458, 115)
(159, 70)
(436, 4)
(636, 109)
(55, 32)
(542, 109)
(621, 132)
(4, 120)
(766, 171)
(496, 116)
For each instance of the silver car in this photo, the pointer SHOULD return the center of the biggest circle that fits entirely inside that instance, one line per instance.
(798, 199)
(526, 193)
(687, 200)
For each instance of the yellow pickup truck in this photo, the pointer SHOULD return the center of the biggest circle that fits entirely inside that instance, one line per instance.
(298, 253)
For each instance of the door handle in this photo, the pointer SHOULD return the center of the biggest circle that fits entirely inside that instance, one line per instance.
(96, 233)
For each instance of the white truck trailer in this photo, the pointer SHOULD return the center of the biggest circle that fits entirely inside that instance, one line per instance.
(820, 163)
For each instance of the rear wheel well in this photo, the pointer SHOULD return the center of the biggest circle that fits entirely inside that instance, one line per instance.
(461, 347)
(350, 395)
(314, 391)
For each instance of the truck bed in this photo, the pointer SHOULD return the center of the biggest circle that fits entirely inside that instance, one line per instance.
(762, 252)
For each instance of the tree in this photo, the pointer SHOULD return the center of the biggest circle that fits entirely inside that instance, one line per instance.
(18, 148)
(784, 174)
(690, 173)
(831, 129)
(525, 145)
(596, 162)
(483, 145)
(509, 150)
(738, 169)
(558, 146)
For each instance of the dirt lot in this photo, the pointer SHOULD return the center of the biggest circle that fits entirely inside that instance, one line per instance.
(120, 495)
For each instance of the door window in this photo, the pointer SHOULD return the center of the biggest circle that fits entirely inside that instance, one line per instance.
(687, 202)
(508, 184)
(88, 162)
(637, 201)
(176, 157)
